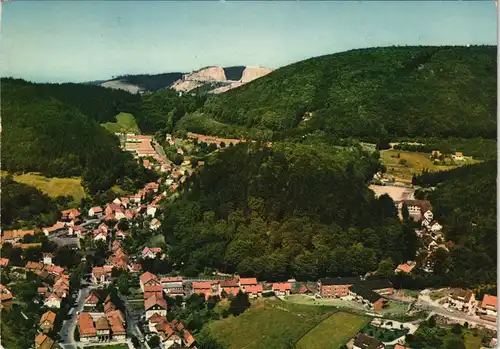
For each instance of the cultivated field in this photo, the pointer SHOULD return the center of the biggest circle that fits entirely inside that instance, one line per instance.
(53, 187)
(269, 323)
(333, 332)
(409, 163)
(125, 123)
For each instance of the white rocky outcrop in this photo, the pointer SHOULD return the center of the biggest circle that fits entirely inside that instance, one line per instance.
(252, 73)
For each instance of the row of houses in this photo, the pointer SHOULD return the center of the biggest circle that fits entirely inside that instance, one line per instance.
(177, 286)
(465, 301)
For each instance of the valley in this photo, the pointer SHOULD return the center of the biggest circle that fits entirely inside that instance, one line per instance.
(248, 207)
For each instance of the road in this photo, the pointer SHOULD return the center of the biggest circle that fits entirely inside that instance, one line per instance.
(159, 150)
(67, 332)
(426, 303)
(132, 326)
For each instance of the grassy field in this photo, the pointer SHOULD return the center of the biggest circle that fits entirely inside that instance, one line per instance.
(53, 187)
(125, 123)
(301, 299)
(472, 342)
(410, 163)
(269, 323)
(332, 332)
(157, 241)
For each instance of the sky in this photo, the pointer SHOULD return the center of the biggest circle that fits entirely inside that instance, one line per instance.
(56, 41)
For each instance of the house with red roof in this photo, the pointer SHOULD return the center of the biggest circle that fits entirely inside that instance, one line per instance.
(189, 340)
(5, 297)
(254, 291)
(14, 236)
(204, 288)
(405, 268)
(282, 288)
(101, 275)
(52, 301)
(488, 307)
(247, 282)
(156, 320)
(42, 341)
(4, 262)
(58, 227)
(54, 269)
(33, 266)
(99, 235)
(86, 328)
(148, 279)
(153, 290)
(95, 212)
(151, 252)
(47, 321)
(155, 305)
(91, 301)
(304, 289)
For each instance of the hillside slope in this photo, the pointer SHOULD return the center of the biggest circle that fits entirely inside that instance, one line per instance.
(43, 134)
(401, 91)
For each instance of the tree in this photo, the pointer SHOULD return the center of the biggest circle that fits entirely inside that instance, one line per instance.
(154, 342)
(386, 267)
(456, 328)
(194, 162)
(405, 213)
(178, 159)
(123, 224)
(239, 303)
(432, 321)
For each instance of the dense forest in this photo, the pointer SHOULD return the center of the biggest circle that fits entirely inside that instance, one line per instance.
(398, 91)
(464, 202)
(292, 210)
(160, 111)
(98, 103)
(25, 206)
(40, 133)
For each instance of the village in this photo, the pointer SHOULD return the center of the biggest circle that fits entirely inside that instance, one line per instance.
(95, 313)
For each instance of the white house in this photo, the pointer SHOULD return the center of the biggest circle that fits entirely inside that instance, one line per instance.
(155, 224)
(47, 258)
(52, 301)
(56, 228)
(100, 235)
(119, 214)
(95, 212)
(155, 305)
(151, 210)
(428, 215)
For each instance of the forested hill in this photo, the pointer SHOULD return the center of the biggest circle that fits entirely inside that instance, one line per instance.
(99, 103)
(290, 210)
(464, 201)
(402, 91)
(41, 133)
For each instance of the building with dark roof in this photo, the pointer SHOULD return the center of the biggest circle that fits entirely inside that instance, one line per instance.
(362, 341)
